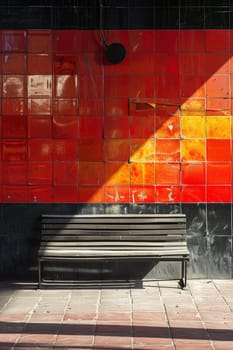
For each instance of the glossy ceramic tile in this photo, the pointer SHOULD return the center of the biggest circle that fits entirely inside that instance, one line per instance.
(218, 127)
(14, 127)
(91, 150)
(193, 150)
(39, 63)
(65, 173)
(116, 149)
(40, 150)
(142, 194)
(142, 127)
(40, 173)
(142, 150)
(117, 173)
(142, 173)
(14, 63)
(90, 194)
(116, 194)
(193, 127)
(218, 150)
(64, 127)
(39, 127)
(193, 173)
(65, 150)
(167, 150)
(167, 173)
(40, 41)
(14, 40)
(91, 173)
(219, 173)
(116, 127)
(168, 194)
(217, 40)
(91, 127)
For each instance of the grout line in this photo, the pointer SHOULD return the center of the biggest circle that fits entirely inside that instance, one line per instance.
(98, 303)
(131, 313)
(221, 296)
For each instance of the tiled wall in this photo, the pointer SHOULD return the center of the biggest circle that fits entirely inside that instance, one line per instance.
(154, 128)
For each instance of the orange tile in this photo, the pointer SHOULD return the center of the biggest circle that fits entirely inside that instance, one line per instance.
(91, 173)
(167, 194)
(142, 194)
(116, 150)
(193, 150)
(193, 194)
(193, 127)
(218, 173)
(142, 173)
(218, 86)
(116, 194)
(167, 150)
(218, 149)
(193, 173)
(193, 107)
(167, 127)
(141, 127)
(90, 194)
(167, 173)
(117, 173)
(218, 127)
(142, 150)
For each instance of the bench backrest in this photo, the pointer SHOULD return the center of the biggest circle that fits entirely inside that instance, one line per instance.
(110, 230)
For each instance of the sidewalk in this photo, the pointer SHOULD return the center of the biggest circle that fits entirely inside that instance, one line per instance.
(159, 316)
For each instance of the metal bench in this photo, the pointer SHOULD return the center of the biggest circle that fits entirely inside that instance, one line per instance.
(113, 237)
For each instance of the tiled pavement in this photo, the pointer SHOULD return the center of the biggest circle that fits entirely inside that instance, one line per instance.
(159, 316)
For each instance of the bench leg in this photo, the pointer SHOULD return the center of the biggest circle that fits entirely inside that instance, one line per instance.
(39, 273)
(183, 280)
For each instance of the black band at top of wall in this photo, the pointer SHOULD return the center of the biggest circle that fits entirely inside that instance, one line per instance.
(117, 14)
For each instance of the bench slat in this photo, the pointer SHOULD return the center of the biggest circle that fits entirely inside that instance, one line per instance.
(110, 244)
(108, 232)
(112, 238)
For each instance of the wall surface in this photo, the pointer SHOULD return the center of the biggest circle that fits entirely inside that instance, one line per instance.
(150, 134)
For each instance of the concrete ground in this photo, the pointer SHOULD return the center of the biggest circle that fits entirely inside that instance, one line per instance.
(158, 316)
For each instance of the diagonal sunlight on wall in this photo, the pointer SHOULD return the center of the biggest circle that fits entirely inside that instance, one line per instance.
(70, 133)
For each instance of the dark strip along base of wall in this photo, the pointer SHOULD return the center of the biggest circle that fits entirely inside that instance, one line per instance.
(209, 240)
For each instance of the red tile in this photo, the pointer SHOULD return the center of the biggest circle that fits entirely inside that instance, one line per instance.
(66, 86)
(192, 63)
(1, 173)
(116, 194)
(14, 194)
(166, 63)
(13, 63)
(15, 173)
(40, 173)
(167, 127)
(40, 150)
(218, 86)
(218, 149)
(114, 107)
(141, 64)
(142, 173)
(13, 86)
(90, 194)
(41, 194)
(218, 173)
(141, 40)
(65, 173)
(217, 40)
(167, 86)
(39, 63)
(88, 41)
(91, 127)
(116, 150)
(193, 194)
(116, 86)
(66, 150)
(91, 85)
(86, 147)
(91, 173)
(142, 194)
(217, 63)
(66, 107)
(167, 150)
(65, 64)
(68, 194)
(39, 106)
(39, 127)
(192, 86)
(217, 194)
(14, 150)
(14, 40)
(65, 127)
(167, 194)
(64, 40)
(116, 127)
(193, 173)
(40, 41)
(14, 127)
(192, 40)
(141, 86)
(167, 173)
(142, 127)
(121, 68)
(166, 40)
(91, 107)
(90, 63)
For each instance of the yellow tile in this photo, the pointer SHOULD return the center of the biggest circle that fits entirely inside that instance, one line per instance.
(218, 127)
(142, 150)
(193, 127)
(193, 149)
